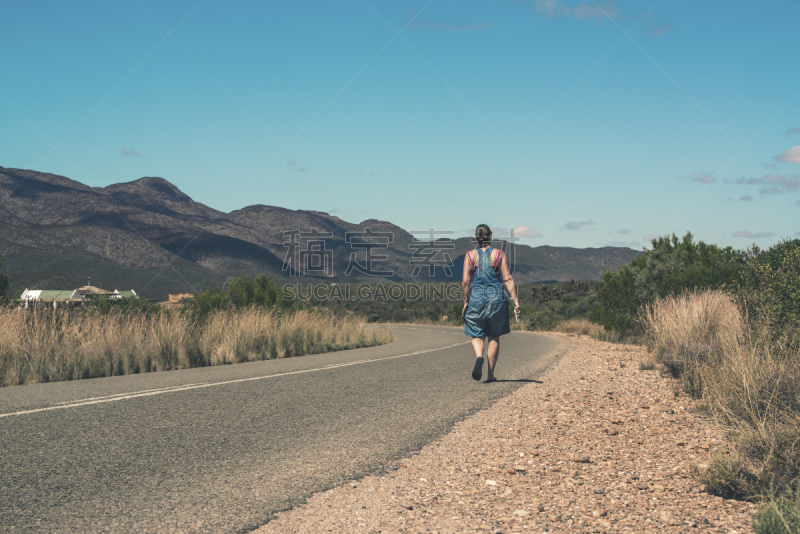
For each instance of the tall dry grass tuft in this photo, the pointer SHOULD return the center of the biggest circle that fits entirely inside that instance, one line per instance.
(50, 345)
(233, 337)
(690, 331)
(750, 384)
(756, 393)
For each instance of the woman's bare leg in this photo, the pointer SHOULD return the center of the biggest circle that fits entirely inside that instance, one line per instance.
(494, 353)
(477, 346)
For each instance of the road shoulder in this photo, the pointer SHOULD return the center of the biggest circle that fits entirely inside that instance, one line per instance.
(598, 446)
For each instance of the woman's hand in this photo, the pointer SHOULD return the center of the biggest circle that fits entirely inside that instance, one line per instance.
(464, 309)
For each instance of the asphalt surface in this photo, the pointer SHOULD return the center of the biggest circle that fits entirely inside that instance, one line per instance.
(219, 449)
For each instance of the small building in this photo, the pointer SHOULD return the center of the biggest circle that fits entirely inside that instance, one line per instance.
(91, 292)
(52, 297)
(177, 300)
(71, 297)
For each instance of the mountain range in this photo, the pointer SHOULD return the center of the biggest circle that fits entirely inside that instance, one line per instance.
(148, 235)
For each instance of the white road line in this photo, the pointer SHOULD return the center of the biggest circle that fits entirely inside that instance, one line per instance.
(438, 331)
(172, 389)
(163, 390)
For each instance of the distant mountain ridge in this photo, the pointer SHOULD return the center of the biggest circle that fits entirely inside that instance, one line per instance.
(150, 236)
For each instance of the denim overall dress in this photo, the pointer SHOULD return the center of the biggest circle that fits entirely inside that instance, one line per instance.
(487, 311)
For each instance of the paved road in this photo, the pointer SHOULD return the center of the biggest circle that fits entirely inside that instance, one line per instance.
(220, 449)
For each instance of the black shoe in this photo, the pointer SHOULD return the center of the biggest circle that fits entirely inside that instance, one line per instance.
(477, 371)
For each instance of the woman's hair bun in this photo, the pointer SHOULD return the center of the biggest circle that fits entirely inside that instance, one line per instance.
(483, 234)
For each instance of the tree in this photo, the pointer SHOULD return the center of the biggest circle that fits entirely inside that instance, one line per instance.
(673, 266)
(241, 292)
(770, 288)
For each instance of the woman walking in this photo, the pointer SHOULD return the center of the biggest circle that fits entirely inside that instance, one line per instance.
(485, 304)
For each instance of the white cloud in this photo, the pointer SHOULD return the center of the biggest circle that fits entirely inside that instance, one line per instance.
(746, 198)
(792, 155)
(526, 231)
(130, 153)
(577, 225)
(703, 178)
(594, 10)
(551, 8)
(600, 11)
(752, 235)
(624, 231)
(774, 184)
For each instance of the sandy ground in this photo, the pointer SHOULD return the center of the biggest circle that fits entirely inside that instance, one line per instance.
(598, 446)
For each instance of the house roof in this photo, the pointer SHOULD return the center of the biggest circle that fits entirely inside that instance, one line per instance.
(56, 294)
(74, 294)
(92, 290)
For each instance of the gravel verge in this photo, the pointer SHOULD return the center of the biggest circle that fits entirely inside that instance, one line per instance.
(598, 446)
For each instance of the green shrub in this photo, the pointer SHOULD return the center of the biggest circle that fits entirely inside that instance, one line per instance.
(545, 306)
(393, 302)
(672, 267)
(729, 477)
(241, 293)
(780, 516)
(127, 305)
(770, 290)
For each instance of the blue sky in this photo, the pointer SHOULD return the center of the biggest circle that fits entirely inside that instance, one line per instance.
(578, 123)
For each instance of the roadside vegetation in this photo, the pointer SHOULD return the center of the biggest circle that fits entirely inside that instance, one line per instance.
(672, 267)
(544, 306)
(732, 342)
(726, 324)
(388, 302)
(246, 321)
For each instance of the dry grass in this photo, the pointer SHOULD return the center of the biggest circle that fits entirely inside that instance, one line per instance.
(690, 331)
(693, 325)
(47, 345)
(584, 327)
(747, 381)
(756, 393)
(579, 327)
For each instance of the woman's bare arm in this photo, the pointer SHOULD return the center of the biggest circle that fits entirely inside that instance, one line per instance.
(465, 279)
(508, 280)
